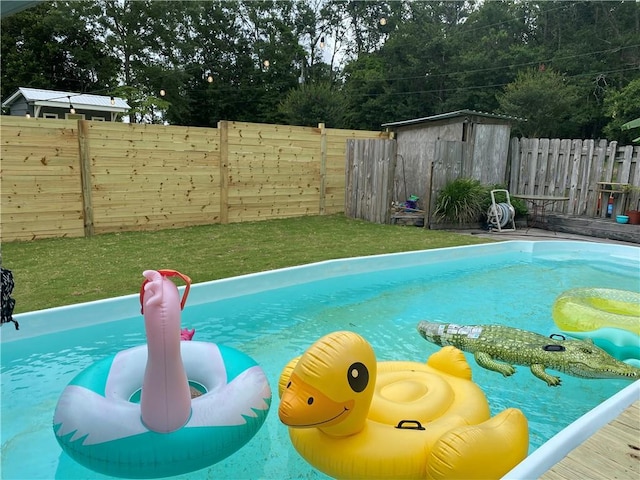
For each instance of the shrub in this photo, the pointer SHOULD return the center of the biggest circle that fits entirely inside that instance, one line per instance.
(461, 201)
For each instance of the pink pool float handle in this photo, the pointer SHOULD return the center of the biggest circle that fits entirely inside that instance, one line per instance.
(165, 401)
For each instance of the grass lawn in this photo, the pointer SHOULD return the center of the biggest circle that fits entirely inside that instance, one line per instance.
(62, 271)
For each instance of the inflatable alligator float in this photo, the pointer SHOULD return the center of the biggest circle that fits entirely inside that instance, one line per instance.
(492, 345)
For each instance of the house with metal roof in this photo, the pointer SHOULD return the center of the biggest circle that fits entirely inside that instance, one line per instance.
(38, 103)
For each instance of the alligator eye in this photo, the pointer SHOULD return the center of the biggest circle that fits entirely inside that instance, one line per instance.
(586, 350)
(358, 377)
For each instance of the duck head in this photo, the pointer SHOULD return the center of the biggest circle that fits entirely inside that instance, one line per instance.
(331, 386)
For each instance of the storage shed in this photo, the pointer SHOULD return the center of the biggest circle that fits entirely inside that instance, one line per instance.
(38, 103)
(437, 149)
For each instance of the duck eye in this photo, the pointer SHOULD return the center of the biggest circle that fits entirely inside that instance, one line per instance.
(358, 377)
(288, 384)
(310, 401)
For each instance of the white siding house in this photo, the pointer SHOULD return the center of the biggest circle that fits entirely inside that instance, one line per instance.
(38, 103)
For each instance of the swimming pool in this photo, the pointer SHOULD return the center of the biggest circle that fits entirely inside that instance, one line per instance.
(274, 316)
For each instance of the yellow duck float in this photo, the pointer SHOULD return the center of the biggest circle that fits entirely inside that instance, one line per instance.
(351, 416)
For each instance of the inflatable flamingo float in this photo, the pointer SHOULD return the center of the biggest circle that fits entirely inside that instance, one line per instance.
(133, 415)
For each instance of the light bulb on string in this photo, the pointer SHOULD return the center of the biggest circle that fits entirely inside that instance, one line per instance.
(322, 42)
(383, 21)
(162, 92)
(113, 101)
(28, 115)
(210, 79)
(72, 110)
(266, 63)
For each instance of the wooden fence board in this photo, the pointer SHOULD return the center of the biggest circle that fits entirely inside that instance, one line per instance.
(544, 174)
(36, 229)
(554, 157)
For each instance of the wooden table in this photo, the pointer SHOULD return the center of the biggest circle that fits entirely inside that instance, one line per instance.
(539, 204)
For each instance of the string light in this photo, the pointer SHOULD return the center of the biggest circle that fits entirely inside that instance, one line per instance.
(113, 101)
(383, 21)
(322, 42)
(266, 63)
(72, 110)
(28, 115)
(162, 92)
(210, 79)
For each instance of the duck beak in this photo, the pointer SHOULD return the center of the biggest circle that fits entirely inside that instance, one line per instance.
(304, 406)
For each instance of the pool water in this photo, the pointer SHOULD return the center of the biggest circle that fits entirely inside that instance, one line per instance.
(510, 286)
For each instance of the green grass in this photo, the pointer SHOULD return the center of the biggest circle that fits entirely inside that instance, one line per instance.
(63, 271)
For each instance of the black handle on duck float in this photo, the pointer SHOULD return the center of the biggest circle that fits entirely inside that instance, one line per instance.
(416, 425)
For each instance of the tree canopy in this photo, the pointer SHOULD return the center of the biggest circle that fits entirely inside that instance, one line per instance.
(570, 68)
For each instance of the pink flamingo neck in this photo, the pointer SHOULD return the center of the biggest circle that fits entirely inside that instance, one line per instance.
(165, 400)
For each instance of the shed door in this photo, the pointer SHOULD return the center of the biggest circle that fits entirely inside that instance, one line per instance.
(452, 160)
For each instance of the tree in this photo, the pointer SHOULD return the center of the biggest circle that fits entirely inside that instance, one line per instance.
(622, 107)
(42, 47)
(599, 52)
(240, 61)
(491, 47)
(311, 104)
(545, 99)
(387, 59)
(366, 89)
(141, 35)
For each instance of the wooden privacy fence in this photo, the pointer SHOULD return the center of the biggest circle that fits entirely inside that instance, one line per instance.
(377, 174)
(573, 168)
(370, 167)
(78, 178)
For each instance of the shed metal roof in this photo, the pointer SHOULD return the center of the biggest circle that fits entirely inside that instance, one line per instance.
(457, 113)
(55, 98)
(9, 7)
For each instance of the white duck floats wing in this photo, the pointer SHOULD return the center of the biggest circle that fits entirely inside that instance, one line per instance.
(99, 423)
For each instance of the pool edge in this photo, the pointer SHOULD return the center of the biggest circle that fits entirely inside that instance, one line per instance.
(566, 440)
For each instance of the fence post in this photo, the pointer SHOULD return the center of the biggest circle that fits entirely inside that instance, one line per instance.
(85, 176)
(323, 167)
(223, 127)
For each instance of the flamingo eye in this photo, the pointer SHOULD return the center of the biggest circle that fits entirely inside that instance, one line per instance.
(358, 377)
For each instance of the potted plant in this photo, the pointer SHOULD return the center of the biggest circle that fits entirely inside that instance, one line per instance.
(634, 215)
